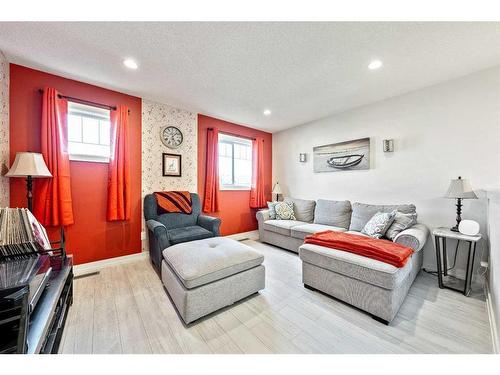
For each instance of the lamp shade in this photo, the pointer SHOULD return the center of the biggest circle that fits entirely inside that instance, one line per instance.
(460, 188)
(28, 164)
(277, 189)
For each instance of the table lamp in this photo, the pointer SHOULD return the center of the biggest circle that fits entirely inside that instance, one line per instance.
(277, 191)
(459, 189)
(30, 165)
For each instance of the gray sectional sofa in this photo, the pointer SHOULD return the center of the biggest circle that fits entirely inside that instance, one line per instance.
(373, 286)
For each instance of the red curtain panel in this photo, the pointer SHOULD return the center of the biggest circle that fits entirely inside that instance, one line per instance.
(257, 194)
(52, 203)
(211, 199)
(119, 202)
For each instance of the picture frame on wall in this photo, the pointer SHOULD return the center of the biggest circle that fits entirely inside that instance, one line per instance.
(342, 156)
(172, 165)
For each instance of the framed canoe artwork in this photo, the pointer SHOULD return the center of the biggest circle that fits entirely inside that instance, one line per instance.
(343, 156)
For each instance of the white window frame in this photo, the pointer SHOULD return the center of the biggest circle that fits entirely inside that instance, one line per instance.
(232, 140)
(88, 111)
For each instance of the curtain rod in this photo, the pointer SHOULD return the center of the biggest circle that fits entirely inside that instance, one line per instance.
(234, 135)
(83, 101)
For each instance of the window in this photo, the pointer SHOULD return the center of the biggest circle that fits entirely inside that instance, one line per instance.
(235, 162)
(89, 133)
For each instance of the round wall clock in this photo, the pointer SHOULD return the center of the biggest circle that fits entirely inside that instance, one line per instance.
(171, 136)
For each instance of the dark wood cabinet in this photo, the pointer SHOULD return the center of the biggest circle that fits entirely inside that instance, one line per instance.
(38, 329)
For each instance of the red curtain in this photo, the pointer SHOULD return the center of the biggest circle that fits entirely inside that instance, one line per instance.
(52, 203)
(211, 197)
(119, 202)
(257, 194)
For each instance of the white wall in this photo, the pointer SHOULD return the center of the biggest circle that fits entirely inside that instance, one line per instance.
(440, 132)
(4, 130)
(154, 117)
(494, 261)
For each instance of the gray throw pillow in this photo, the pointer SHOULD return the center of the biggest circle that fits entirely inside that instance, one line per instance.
(378, 224)
(362, 212)
(284, 211)
(333, 213)
(303, 209)
(272, 211)
(400, 223)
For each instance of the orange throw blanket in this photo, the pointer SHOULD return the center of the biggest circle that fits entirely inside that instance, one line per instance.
(382, 250)
(174, 201)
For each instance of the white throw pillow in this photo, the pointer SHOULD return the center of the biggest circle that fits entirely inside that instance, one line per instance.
(378, 224)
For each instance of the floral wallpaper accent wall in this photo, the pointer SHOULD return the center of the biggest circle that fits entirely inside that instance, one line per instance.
(155, 116)
(4, 130)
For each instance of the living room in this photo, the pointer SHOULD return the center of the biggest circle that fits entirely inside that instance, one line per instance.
(250, 188)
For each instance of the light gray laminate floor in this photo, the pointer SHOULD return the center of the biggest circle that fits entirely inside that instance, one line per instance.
(125, 309)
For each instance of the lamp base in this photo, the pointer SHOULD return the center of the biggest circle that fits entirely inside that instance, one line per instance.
(29, 195)
(459, 217)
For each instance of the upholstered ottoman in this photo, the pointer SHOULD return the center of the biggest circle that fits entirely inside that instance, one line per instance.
(206, 275)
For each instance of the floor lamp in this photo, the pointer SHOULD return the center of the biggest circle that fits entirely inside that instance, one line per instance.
(30, 165)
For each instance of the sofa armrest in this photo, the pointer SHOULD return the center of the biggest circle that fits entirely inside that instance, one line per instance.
(262, 215)
(413, 237)
(158, 241)
(210, 223)
(160, 233)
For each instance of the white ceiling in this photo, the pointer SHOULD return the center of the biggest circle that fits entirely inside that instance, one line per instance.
(233, 71)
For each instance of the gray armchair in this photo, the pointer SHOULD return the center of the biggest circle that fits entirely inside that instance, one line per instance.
(172, 228)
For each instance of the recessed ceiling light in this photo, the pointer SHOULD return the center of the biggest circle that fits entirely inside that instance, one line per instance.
(375, 64)
(267, 112)
(131, 64)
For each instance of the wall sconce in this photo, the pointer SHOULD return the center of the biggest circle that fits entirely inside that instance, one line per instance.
(302, 158)
(388, 145)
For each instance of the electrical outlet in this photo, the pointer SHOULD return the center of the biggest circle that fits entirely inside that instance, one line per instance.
(484, 264)
(143, 236)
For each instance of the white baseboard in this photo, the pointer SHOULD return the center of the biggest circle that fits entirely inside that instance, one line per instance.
(493, 323)
(83, 269)
(251, 235)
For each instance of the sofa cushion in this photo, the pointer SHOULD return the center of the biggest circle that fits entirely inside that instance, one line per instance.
(190, 233)
(201, 262)
(333, 213)
(303, 209)
(284, 211)
(400, 223)
(172, 219)
(362, 212)
(301, 231)
(356, 232)
(281, 226)
(356, 266)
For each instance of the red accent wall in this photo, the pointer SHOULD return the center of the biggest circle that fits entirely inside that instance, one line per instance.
(91, 238)
(235, 212)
